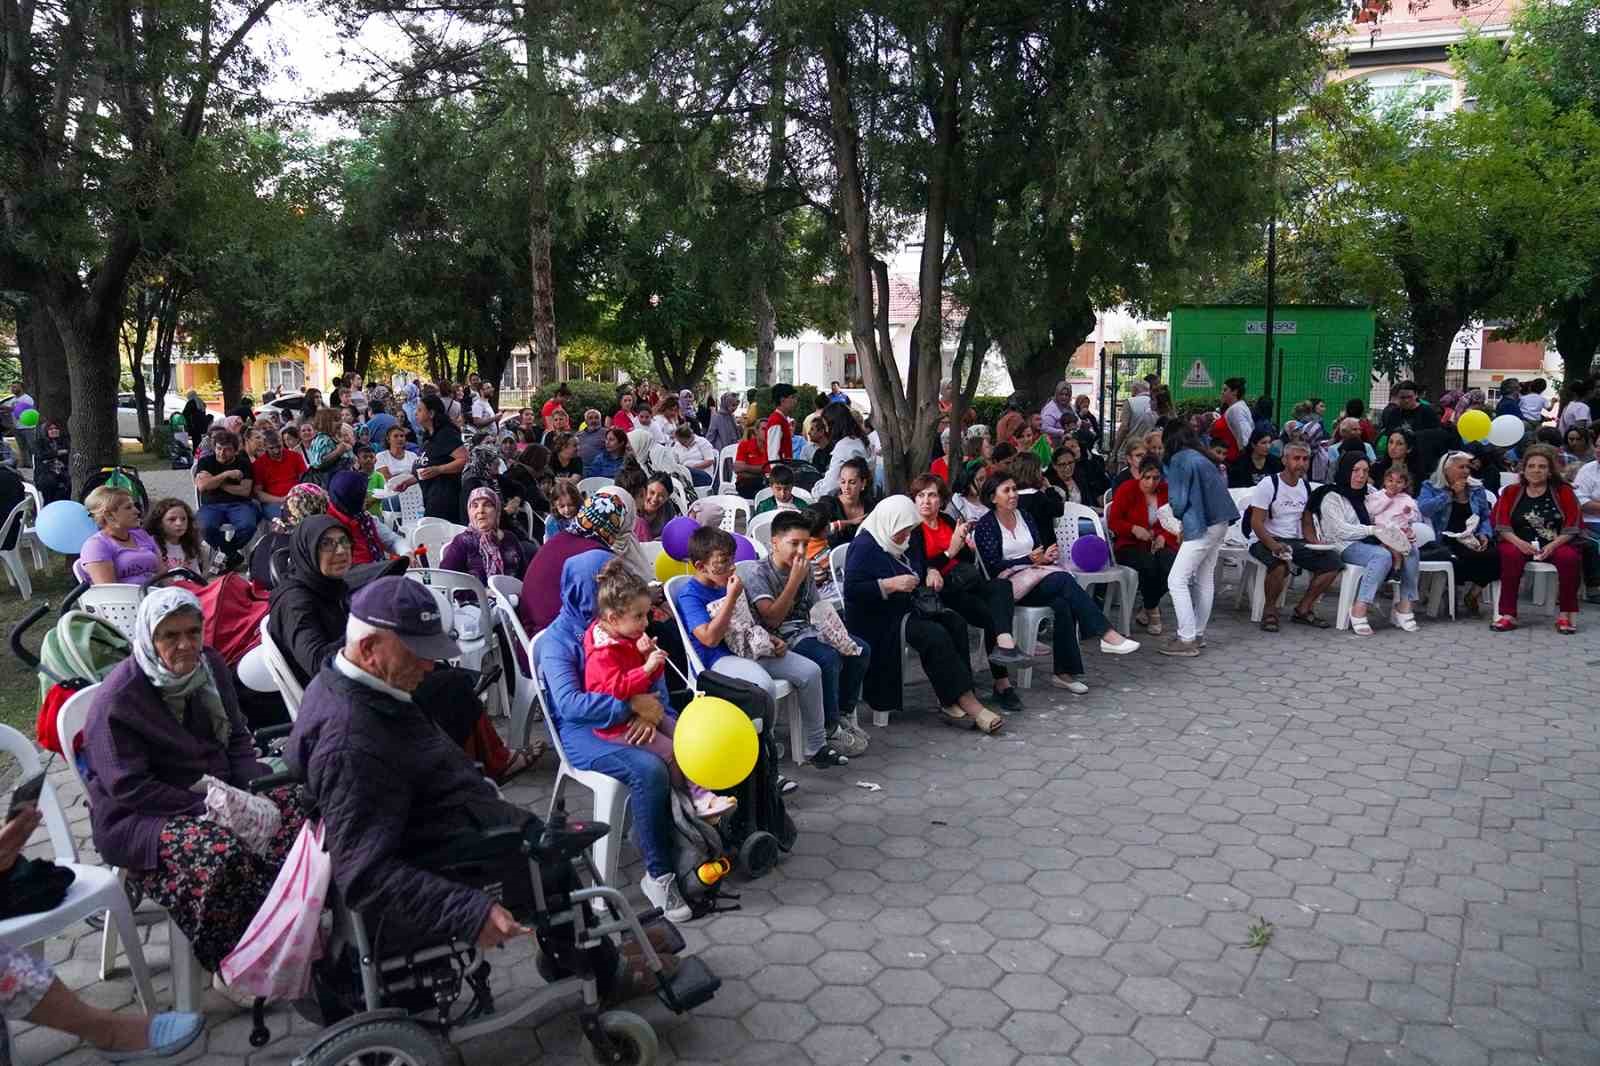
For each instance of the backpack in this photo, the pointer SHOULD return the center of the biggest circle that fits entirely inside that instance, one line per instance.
(1247, 520)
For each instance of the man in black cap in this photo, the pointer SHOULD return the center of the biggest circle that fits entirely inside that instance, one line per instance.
(388, 782)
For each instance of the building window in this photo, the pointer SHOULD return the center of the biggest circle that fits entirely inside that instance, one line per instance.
(786, 367)
(1425, 92)
(750, 370)
(852, 370)
(286, 375)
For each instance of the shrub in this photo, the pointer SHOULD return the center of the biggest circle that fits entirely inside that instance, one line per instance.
(1194, 405)
(804, 404)
(585, 394)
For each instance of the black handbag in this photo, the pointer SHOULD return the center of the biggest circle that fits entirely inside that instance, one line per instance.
(925, 602)
(963, 578)
(34, 886)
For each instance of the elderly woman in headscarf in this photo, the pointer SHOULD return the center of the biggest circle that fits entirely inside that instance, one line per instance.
(196, 419)
(724, 428)
(303, 501)
(879, 583)
(370, 540)
(688, 408)
(605, 521)
(482, 470)
(484, 549)
(166, 724)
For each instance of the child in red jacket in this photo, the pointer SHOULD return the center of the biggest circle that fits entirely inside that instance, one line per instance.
(620, 660)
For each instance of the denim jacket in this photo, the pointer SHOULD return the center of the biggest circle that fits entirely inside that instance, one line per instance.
(1435, 507)
(1198, 493)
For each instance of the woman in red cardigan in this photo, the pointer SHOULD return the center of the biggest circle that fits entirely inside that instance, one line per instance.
(1139, 541)
(1538, 520)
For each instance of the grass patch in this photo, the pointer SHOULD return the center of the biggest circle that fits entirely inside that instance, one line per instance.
(19, 685)
(1259, 935)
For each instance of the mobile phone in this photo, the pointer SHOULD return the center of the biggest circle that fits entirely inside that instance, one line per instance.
(27, 794)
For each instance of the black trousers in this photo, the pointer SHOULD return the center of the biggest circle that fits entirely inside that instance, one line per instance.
(987, 605)
(1475, 567)
(941, 642)
(1152, 568)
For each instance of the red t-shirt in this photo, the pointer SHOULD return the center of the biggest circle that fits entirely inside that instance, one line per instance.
(940, 468)
(276, 477)
(781, 420)
(1222, 434)
(622, 420)
(751, 452)
(549, 408)
(936, 541)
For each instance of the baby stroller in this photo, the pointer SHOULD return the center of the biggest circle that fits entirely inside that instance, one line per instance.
(180, 448)
(118, 477)
(405, 1004)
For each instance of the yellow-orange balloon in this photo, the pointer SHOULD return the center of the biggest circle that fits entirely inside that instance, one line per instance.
(1474, 425)
(714, 743)
(667, 567)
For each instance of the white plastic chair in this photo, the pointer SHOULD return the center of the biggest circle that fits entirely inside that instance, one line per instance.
(610, 795)
(116, 603)
(784, 691)
(733, 508)
(767, 494)
(30, 536)
(1437, 567)
(188, 975)
(723, 481)
(412, 508)
(590, 485)
(836, 558)
(478, 650)
(651, 549)
(282, 673)
(433, 534)
(1025, 625)
(1122, 580)
(759, 529)
(506, 591)
(94, 889)
(16, 569)
(1541, 579)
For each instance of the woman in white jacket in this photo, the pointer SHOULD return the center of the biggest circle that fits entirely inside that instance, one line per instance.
(849, 442)
(1341, 509)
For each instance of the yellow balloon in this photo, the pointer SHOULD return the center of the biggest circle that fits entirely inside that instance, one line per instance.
(1474, 425)
(714, 743)
(667, 567)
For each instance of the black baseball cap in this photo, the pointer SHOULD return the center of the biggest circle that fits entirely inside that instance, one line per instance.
(409, 611)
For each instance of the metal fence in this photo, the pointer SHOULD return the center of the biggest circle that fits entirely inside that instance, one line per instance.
(1117, 375)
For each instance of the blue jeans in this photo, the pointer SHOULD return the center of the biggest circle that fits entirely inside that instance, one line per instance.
(1376, 562)
(1075, 612)
(270, 511)
(700, 477)
(242, 516)
(649, 785)
(841, 676)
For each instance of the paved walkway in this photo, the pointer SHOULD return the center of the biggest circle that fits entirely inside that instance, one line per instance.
(1416, 820)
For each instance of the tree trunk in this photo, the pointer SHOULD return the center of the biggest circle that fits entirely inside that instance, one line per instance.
(166, 337)
(766, 317)
(1577, 334)
(684, 370)
(1433, 330)
(965, 372)
(364, 355)
(89, 345)
(143, 316)
(1036, 368)
(44, 361)
(545, 354)
(768, 277)
(230, 373)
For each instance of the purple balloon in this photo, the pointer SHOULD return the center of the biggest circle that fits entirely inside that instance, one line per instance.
(744, 551)
(675, 537)
(1090, 554)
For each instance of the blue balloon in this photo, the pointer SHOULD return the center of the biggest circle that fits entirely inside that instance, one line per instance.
(64, 526)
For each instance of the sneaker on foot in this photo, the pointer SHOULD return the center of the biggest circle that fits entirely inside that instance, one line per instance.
(845, 741)
(1127, 647)
(1176, 645)
(1009, 657)
(1008, 701)
(663, 892)
(827, 756)
(786, 785)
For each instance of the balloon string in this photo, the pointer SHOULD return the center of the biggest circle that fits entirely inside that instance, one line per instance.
(686, 682)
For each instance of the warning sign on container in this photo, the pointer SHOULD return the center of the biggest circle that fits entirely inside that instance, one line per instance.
(1198, 377)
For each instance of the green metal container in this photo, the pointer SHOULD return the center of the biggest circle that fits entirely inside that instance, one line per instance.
(1318, 351)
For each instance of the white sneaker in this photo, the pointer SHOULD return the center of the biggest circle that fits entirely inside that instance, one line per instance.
(663, 892)
(1127, 647)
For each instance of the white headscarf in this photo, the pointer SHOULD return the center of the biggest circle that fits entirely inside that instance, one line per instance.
(893, 515)
(175, 689)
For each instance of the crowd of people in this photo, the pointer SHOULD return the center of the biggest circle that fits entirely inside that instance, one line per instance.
(849, 577)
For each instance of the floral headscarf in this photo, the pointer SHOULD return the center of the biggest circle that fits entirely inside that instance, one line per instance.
(488, 543)
(608, 517)
(301, 502)
(176, 689)
(483, 463)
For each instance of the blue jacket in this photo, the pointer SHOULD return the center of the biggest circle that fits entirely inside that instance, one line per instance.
(578, 713)
(1198, 493)
(1435, 507)
(986, 537)
(603, 465)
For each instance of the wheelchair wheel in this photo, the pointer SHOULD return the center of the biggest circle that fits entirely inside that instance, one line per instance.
(635, 1042)
(384, 1043)
(758, 854)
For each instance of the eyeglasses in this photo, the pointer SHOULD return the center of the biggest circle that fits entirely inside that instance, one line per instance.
(335, 546)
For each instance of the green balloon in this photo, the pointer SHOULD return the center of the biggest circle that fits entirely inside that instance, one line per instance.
(28, 419)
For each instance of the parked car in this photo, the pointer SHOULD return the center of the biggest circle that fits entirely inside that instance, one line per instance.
(128, 413)
(285, 407)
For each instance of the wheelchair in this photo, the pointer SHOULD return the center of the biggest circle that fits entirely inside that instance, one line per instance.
(408, 1004)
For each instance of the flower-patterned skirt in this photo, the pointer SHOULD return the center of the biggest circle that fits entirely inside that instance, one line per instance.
(210, 883)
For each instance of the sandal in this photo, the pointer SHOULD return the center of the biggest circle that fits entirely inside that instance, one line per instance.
(1309, 620)
(987, 721)
(958, 718)
(1142, 617)
(521, 759)
(1154, 628)
(1269, 624)
(1565, 624)
(1360, 626)
(1503, 624)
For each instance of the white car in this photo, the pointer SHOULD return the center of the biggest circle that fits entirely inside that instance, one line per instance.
(128, 414)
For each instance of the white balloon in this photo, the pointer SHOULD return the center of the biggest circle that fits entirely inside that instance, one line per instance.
(1506, 431)
(253, 671)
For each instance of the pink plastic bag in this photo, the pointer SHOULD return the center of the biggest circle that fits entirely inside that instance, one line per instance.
(274, 957)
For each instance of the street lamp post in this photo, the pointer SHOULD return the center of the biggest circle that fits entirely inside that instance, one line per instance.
(1272, 253)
